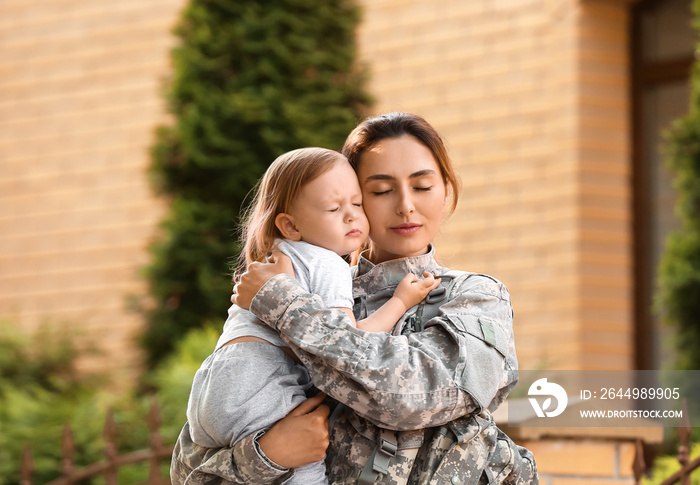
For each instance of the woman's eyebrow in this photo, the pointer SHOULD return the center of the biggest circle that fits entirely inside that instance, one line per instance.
(421, 173)
(383, 176)
(379, 176)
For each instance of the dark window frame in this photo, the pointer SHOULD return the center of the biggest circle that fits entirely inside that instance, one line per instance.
(644, 75)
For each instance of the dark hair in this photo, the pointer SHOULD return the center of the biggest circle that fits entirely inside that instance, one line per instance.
(394, 125)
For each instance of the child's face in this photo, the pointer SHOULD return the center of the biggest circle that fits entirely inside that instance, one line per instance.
(328, 212)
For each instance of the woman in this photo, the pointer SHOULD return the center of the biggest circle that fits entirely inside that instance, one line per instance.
(434, 380)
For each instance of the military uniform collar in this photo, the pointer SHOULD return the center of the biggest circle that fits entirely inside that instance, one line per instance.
(371, 278)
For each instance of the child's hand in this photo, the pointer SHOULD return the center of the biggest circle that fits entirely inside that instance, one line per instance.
(412, 290)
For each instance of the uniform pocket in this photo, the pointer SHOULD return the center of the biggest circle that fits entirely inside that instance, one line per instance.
(511, 461)
(466, 448)
(481, 366)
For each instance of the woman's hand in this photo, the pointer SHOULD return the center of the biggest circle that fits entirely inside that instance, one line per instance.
(412, 290)
(257, 275)
(299, 438)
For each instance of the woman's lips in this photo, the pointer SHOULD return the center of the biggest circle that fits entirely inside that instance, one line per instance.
(406, 229)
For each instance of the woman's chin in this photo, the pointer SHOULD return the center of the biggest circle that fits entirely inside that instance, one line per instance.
(399, 249)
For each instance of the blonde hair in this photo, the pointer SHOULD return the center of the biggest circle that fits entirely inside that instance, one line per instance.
(275, 193)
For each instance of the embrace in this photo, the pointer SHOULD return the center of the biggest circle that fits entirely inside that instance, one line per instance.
(410, 358)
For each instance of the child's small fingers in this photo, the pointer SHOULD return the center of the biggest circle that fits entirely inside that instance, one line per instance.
(410, 277)
(427, 284)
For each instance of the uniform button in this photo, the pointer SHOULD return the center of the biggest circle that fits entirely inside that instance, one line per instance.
(455, 480)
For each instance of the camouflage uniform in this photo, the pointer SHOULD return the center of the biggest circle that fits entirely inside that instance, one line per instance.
(435, 381)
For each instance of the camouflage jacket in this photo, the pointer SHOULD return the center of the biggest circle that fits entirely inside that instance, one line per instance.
(434, 380)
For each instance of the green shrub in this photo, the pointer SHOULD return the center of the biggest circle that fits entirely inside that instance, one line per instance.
(665, 466)
(39, 394)
(679, 271)
(38, 400)
(27, 359)
(677, 299)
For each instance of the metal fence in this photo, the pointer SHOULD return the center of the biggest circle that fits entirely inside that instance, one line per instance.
(70, 475)
(682, 476)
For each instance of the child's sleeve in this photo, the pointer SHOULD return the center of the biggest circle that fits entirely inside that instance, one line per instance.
(332, 281)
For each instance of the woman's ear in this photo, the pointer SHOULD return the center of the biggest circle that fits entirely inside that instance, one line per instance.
(285, 224)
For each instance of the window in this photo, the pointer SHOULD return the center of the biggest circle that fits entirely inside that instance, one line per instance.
(663, 52)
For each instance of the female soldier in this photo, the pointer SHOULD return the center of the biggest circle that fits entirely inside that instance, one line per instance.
(435, 379)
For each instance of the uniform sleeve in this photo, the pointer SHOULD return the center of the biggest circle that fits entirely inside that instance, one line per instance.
(453, 368)
(243, 464)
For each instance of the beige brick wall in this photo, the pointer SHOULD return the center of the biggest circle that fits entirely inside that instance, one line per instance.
(80, 85)
(532, 98)
(583, 461)
(605, 186)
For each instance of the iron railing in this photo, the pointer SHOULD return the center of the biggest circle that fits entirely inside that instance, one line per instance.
(70, 475)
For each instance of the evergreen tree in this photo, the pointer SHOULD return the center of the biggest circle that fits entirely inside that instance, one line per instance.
(251, 80)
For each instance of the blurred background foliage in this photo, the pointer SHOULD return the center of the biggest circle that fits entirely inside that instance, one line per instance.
(40, 394)
(250, 81)
(665, 466)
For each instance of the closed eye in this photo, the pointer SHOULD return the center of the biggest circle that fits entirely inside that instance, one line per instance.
(423, 189)
(382, 192)
(334, 209)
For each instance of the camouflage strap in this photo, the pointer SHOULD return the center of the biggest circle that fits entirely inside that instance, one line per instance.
(378, 463)
(340, 408)
(430, 306)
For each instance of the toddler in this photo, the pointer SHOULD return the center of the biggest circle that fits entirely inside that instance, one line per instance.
(308, 205)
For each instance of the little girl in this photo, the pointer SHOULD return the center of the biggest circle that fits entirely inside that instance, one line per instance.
(309, 206)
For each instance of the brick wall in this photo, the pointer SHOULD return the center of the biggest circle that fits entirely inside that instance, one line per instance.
(532, 98)
(80, 86)
(605, 186)
(583, 461)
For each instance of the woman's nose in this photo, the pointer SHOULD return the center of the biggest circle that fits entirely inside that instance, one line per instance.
(404, 204)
